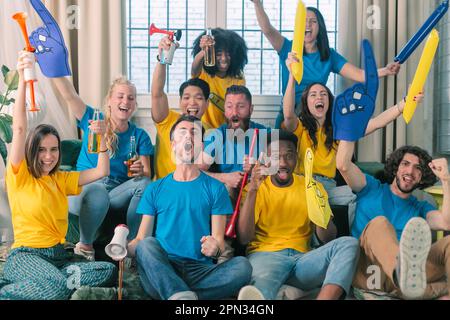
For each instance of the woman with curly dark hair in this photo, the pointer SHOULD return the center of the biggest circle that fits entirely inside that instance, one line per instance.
(231, 58)
(394, 226)
(313, 128)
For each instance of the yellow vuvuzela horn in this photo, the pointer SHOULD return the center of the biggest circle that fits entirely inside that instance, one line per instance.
(319, 211)
(299, 37)
(421, 74)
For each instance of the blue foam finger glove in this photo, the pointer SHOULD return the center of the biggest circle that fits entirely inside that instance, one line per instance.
(51, 52)
(354, 107)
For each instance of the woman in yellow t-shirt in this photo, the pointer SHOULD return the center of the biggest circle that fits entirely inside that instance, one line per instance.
(38, 267)
(230, 60)
(313, 128)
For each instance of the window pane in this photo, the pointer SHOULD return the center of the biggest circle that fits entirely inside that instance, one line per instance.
(189, 16)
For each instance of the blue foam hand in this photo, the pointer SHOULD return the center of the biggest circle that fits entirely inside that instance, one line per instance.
(51, 52)
(354, 107)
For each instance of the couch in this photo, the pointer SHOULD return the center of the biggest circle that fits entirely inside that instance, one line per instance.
(133, 290)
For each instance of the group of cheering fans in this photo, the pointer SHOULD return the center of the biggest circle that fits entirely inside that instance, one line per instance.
(177, 214)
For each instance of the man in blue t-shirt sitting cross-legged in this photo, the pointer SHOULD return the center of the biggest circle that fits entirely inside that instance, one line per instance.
(188, 208)
(393, 226)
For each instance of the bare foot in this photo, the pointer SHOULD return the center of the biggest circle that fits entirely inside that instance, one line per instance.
(447, 297)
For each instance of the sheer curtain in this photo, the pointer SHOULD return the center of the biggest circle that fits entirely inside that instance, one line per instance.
(399, 21)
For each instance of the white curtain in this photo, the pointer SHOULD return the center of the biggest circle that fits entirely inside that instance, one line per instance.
(96, 55)
(399, 21)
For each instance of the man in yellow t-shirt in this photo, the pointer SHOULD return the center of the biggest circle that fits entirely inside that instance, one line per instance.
(194, 95)
(230, 55)
(274, 223)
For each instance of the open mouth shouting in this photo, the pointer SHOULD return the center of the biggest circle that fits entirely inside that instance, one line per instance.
(124, 109)
(283, 174)
(193, 111)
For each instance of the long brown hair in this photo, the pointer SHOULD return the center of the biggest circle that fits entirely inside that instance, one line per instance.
(311, 124)
(112, 140)
(32, 145)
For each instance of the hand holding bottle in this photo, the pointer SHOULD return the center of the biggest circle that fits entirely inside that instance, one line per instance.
(97, 129)
(208, 48)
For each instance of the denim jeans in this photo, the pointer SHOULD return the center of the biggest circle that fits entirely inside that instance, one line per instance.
(334, 263)
(98, 197)
(163, 276)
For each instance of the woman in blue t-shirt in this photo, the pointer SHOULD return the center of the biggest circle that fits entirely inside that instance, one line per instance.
(118, 192)
(319, 59)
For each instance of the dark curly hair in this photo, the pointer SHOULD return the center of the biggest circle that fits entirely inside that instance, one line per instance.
(393, 162)
(231, 42)
(323, 44)
(310, 123)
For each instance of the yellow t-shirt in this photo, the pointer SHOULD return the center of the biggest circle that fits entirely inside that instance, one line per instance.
(324, 160)
(281, 217)
(39, 207)
(163, 157)
(214, 115)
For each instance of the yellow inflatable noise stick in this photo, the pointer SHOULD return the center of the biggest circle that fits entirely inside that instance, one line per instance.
(319, 211)
(299, 38)
(421, 74)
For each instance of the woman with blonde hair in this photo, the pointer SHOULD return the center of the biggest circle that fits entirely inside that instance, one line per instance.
(38, 266)
(118, 191)
(121, 190)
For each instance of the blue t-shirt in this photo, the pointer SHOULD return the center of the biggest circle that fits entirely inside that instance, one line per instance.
(183, 213)
(118, 170)
(231, 151)
(377, 199)
(314, 70)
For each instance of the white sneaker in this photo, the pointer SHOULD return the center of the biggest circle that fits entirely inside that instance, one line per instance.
(87, 254)
(415, 244)
(184, 295)
(250, 293)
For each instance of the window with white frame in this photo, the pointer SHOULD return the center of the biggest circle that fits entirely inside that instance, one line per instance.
(262, 72)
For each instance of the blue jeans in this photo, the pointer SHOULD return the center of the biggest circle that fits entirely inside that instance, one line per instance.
(98, 197)
(334, 263)
(163, 276)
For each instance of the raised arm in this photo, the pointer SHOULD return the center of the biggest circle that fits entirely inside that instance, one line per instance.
(160, 104)
(145, 231)
(440, 220)
(197, 64)
(354, 73)
(290, 118)
(102, 169)
(273, 35)
(73, 100)
(19, 126)
(389, 115)
(354, 177)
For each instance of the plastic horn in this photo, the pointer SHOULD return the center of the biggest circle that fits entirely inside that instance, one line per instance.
(117, 248)
(299, 38)
(417, 39)
(21, 17)
(421, 74)
(231, 227)
(153, 29)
